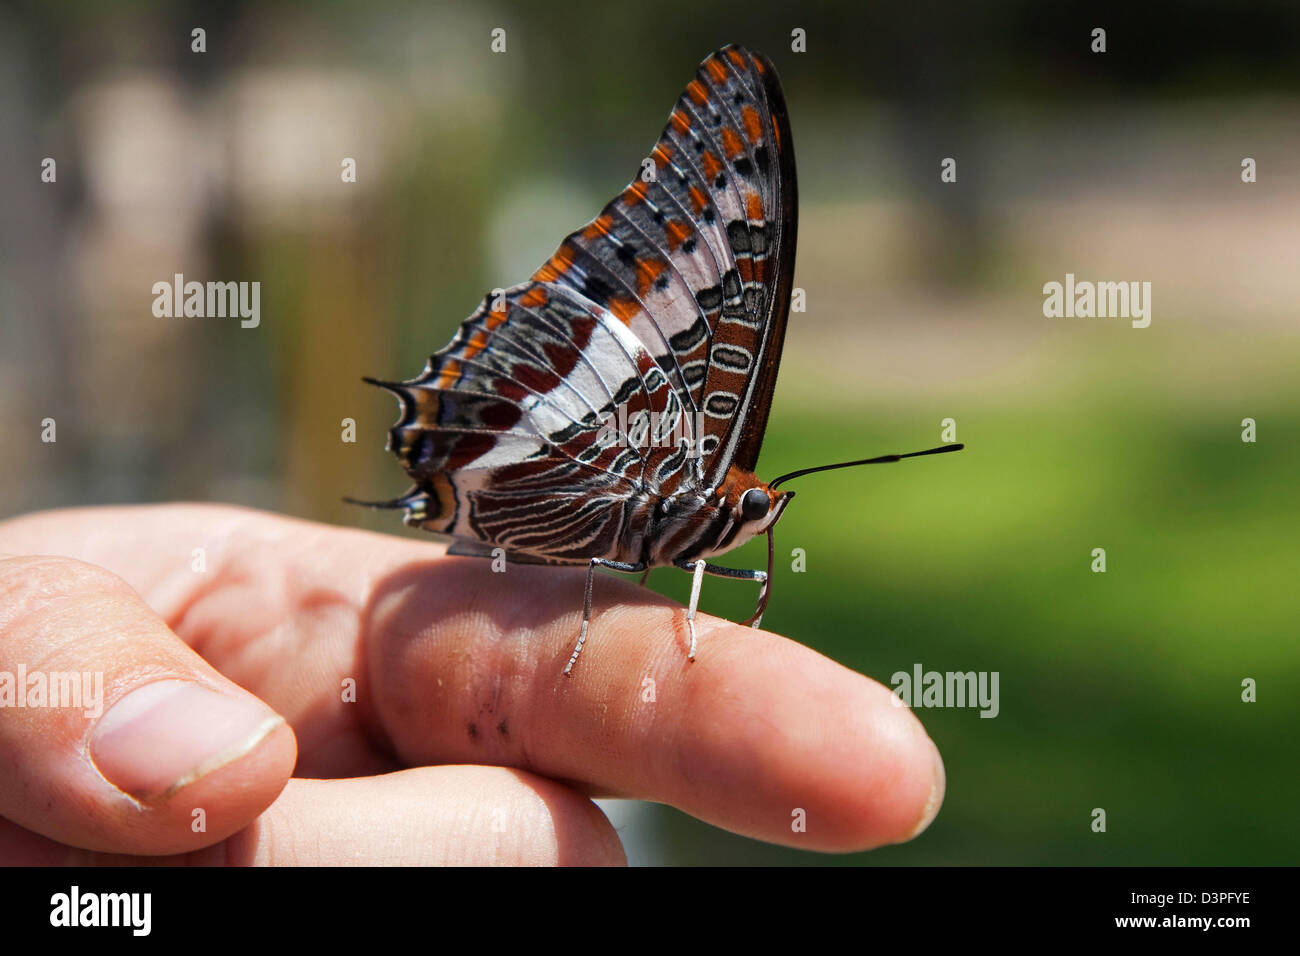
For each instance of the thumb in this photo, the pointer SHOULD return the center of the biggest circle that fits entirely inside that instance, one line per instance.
(114, 735)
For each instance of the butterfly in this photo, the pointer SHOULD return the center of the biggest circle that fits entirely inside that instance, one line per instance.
(609, 411)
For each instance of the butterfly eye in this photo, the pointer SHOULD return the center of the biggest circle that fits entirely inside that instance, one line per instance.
(754, 504)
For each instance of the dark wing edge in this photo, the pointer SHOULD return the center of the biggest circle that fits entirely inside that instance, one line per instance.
(764, 386)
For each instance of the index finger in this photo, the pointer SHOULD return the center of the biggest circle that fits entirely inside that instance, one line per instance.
(759, 735)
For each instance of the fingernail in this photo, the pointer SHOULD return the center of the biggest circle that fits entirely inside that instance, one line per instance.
(938, 784)
(165, 735)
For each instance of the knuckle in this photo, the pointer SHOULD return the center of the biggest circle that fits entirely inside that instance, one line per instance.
(31, 584)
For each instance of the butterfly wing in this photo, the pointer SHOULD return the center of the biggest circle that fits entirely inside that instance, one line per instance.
(696, 255)
(504, 431)
(672, 301)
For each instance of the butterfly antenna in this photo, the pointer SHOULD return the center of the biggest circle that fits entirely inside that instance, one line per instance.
(883, 459)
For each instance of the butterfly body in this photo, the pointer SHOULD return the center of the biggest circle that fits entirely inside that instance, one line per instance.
(703, 523)
(656, 530)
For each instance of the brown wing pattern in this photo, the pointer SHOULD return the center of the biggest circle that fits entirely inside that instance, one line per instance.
(672, 302)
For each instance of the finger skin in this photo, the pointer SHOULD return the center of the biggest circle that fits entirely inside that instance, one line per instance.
(430, 816)
(102, 790)
(463, 665)
(756, 735)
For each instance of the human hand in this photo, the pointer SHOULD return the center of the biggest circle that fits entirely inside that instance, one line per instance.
(218, 629)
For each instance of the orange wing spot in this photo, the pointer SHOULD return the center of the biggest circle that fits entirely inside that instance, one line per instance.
(759, 63)
(445, 496)
(635, 192)
(753, 124)
(427, 403)
(698, 199)
(717, 72)
(754, 207)
(736, 58)
(776, 136)
(449, 375)
(745, 269)
(647, 270)
(661, 154)
(598, 227)
(534, 297)
(624, 309)
(696, 91)
(680, 121)
(556, 266)
(731, 143)
(678, 232)
(479, 340)
(712, 166)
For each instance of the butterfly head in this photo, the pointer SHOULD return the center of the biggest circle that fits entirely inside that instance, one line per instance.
(754, 506)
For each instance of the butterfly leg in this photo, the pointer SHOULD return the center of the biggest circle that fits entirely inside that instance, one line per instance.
(765, 580)
(695, 602)
(736, 574)
(586, 604)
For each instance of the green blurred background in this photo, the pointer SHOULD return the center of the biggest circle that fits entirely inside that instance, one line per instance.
(1119, 690)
